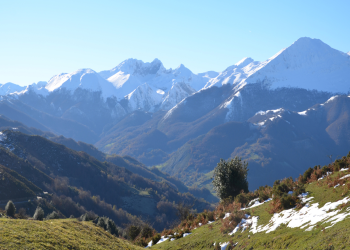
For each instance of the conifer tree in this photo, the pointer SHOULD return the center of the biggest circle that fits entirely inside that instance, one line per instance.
(230, 178)
(10, 209)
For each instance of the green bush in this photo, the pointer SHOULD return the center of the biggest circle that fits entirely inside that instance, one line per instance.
(52, 216)
(133, 232)
(288, 201)
(88, 216)
(10, 209)
(156, 238)
(146, 232)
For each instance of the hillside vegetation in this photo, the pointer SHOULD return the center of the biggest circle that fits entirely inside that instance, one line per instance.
(312, 212)
(77, 182)
(57, 234)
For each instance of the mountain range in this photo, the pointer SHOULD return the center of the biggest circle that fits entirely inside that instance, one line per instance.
(279, 115)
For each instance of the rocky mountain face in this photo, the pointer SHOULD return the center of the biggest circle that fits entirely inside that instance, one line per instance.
(171, 117)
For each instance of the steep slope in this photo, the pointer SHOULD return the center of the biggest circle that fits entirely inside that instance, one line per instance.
(307, 63)
(14, 186)
(92, 178)
(136, 167)
(84, 79)
(278, 143)
(319, 221)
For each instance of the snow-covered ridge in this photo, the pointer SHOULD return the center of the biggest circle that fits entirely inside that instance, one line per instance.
(10, 88)
(307, 63)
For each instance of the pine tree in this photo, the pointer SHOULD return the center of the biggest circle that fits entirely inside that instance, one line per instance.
(39, 214)
(230, 178)
(10, 209)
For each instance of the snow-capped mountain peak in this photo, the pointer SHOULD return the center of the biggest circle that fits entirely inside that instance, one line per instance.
(9, 88)
(307, 63)
(244, 62)
(133, 66)
(182, 70)
(83, 78)
(234, 74)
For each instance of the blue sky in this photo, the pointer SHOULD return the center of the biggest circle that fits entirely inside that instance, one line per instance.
(39, 39)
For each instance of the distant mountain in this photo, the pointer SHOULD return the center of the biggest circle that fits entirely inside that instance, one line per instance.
(276, 143)
(10, 88)
(160, 116)
(307, 64)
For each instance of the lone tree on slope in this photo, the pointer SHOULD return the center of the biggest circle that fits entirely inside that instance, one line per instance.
(230, 177)
(10, 209)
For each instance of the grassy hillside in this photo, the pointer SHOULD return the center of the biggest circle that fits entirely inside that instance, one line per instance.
(57, 234)
(319, 220)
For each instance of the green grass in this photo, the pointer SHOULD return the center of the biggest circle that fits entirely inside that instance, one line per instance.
(57, 234)
(284, 237)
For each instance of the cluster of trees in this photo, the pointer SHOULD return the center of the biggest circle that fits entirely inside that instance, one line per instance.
(39, 214)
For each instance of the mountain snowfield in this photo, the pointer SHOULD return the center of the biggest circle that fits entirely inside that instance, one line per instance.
(307, 64)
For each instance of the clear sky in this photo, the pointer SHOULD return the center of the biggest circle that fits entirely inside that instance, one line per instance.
(39, 39)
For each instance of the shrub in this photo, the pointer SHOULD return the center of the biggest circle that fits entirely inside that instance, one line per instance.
(146, 232)
(22, 213)
(157, 237)
(288, 201)
(217, 246)
(39, 214)
(133, 232)
(211, 216)
(52, 216)
(10, 209)
(88, 216)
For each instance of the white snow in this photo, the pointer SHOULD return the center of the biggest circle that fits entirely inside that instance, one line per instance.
(331, 99)
(307, 217)
(345, 176)
(302, 113)
(2, 136)
(257, 203)
(343, 169)
(131, 73)
(186, 234)
(307, 63)
(274, 111)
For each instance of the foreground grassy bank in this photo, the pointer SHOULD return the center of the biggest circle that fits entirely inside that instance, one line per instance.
(326, 234)
(57, 234)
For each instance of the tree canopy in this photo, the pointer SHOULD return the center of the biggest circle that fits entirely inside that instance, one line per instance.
(230, 178)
